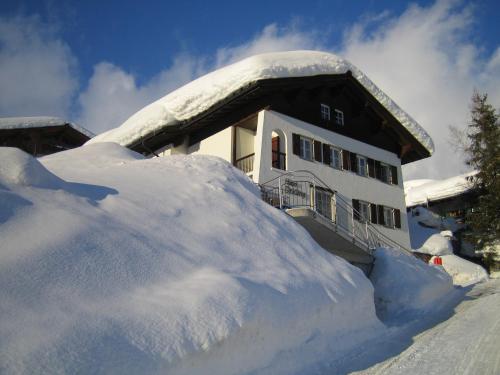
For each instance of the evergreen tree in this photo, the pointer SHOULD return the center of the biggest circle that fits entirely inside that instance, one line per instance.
(483, 154)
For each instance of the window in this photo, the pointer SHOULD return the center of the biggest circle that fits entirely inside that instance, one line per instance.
(325, 112)
(388, 217)
(385, 173)
(361, 160)
(323, 202)
(364, 211)
(335, 158)
(339, 117)
(305, 148)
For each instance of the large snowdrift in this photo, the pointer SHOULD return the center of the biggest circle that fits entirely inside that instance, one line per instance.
(202, 93)
(111, 263)
(404, 283)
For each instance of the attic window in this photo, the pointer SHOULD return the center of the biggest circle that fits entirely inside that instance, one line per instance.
(339, 117)
(325, 112)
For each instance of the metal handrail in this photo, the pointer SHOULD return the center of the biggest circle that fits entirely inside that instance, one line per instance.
(372, 236)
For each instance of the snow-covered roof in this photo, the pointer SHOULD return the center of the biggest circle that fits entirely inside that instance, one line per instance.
(421, 191)
(39, 122)
(206, 91)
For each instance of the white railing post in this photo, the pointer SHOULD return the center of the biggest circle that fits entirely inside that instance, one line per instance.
(280, 195)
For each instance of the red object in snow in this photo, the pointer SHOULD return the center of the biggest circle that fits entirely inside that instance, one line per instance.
(438, 261)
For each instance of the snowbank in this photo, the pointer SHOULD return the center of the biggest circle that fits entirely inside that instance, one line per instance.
(436, 244)
(404, 283)
(464, 273)
(204, 92)
(19, 168)
(170, 265)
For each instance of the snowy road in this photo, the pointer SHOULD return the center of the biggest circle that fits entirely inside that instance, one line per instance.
(466, 343)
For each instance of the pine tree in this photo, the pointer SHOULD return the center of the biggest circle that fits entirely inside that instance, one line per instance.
(483, 154)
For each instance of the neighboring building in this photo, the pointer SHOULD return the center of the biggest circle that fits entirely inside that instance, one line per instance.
(293, 111)
(452, 197)
(41, 136)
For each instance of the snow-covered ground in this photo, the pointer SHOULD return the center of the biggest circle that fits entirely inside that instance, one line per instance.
(111, 263)
(464, 343)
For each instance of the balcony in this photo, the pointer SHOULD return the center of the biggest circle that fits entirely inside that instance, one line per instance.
(245, 163)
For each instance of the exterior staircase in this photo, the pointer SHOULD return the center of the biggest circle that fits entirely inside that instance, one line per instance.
(327, 216)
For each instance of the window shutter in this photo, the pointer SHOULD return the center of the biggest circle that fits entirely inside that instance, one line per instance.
(326, 154)
(373, 213)
(317, 151)
(378, 170)
(380, 210)
(397, 218)
(394, 174)
(355, 206)
(354, 162)
(296, 144)
(345, 159)
(371, 168)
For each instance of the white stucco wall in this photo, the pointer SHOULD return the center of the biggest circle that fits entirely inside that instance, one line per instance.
(244, 141)
(348, 184)
(219, 144)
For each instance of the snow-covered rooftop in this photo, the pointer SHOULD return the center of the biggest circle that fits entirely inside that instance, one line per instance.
(420, 191)
(202, 93)
(39, 122)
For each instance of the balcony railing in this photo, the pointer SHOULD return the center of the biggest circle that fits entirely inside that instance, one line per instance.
(245, 163)
(279, 160)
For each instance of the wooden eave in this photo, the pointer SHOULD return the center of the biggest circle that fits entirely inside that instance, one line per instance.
(257, 96)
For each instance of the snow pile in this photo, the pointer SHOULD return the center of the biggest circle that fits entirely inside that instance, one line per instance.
(404, 283)
(206, 91)
(430, 239)
(170, 265)
(421, 191)
(39, 122)
(437, 244)
(19, 168)
(464, 273)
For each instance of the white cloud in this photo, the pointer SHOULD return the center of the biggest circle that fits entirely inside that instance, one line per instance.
(271, 39)
(37, 69)
(425, 60)
(113, 95)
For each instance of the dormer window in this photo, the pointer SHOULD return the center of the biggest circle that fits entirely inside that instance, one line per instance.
(325, 112)
(339, 117)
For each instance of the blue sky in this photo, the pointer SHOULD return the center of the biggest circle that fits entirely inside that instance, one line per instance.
(96, 63)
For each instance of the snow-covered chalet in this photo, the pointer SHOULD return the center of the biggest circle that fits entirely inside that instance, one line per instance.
(307, 126)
